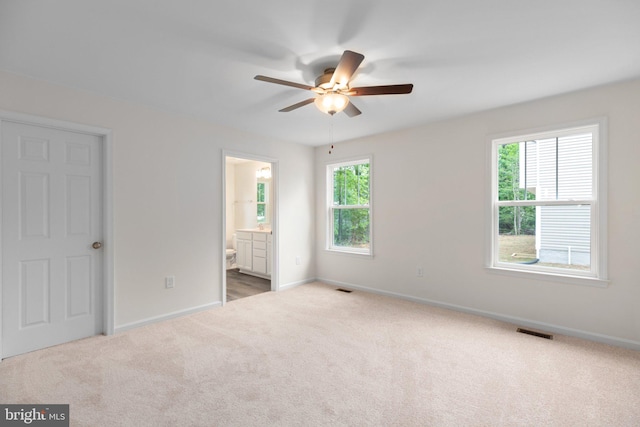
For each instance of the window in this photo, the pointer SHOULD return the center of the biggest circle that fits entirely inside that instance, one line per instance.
(547, 203)
(262, 202)
(349, 207)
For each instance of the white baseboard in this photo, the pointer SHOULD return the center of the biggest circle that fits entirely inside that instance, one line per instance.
(591, 336)
(167, 316)
(180, 313)
(286, 286)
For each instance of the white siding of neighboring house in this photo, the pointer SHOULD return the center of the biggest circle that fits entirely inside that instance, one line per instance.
(562, 232)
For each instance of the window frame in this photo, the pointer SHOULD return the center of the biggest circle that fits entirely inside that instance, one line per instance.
(368, 159)
(597, 275)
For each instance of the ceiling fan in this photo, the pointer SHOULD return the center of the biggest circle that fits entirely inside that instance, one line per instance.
(332, 87)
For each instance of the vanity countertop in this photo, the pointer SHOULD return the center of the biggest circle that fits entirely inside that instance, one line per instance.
(255, 230)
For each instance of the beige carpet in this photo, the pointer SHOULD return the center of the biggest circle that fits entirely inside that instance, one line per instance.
(314, 356)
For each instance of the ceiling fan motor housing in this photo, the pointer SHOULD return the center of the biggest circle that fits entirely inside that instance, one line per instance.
(324, 80)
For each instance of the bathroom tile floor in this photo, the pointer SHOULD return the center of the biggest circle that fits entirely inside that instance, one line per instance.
(241, 285)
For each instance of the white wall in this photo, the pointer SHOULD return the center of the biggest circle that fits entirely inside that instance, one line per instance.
(429, 195)
(168, 196)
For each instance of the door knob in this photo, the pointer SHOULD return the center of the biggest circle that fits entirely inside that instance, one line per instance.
(96, 245)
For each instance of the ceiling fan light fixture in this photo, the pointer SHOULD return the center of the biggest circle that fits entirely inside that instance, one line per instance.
(332, 102)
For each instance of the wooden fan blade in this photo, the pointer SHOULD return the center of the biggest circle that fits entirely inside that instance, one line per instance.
(283, 82)
(351, 110)
(348, 65)
(298, 105)
(381, 90)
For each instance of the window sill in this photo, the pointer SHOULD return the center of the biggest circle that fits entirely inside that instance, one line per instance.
(550, 277)
(346, 251)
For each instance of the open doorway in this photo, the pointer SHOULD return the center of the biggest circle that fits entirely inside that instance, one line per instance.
(249, 226)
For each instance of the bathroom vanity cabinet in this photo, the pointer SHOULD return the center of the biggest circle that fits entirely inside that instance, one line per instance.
(254, 252)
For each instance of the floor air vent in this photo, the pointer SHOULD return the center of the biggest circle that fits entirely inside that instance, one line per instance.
(535, 334)
(346, 291)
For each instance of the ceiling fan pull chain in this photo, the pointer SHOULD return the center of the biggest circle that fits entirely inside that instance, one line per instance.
(332, 139)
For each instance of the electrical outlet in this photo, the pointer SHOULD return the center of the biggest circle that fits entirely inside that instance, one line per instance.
(420, 272)
(297, 260)
(169, 282)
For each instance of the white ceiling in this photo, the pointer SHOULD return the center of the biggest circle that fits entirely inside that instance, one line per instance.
(199, 57)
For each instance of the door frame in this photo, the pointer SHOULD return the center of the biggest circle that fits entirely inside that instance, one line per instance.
(275, 186)
(108, 317)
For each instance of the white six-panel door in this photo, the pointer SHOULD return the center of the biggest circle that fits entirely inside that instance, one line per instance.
(51, 217)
